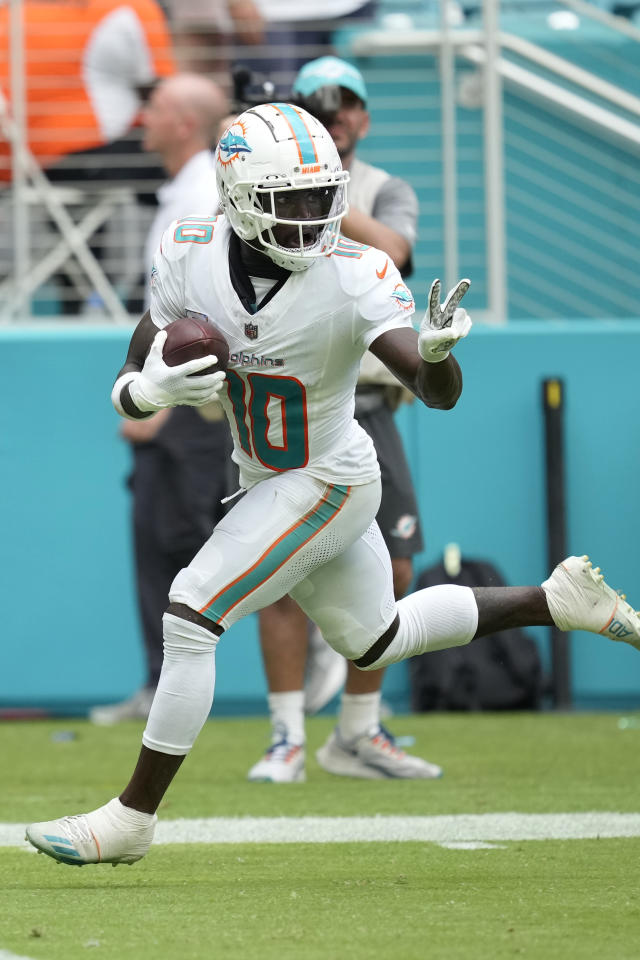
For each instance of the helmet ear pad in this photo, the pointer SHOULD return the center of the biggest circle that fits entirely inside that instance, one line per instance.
(246, 225)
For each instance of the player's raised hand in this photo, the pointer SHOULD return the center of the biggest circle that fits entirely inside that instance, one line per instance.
(159, 385)
(443, 325)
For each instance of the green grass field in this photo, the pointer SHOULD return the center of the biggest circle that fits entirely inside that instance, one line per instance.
(541, 899)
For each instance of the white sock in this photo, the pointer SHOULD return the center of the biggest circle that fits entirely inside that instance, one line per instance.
(185, 690)
(431, 619)
(287, 716)
(132, 816)
(359, 714)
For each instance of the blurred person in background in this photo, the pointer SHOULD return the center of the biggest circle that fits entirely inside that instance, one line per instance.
(88, 68)
(181, 466)
(205, 32)
(270, 38)
(295, 33)
(86, 65)
(303, 672)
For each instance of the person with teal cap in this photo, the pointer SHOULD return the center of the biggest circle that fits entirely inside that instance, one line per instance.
(305, 676)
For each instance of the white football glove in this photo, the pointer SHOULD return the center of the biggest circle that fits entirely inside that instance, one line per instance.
(158, 385)
(442, 326)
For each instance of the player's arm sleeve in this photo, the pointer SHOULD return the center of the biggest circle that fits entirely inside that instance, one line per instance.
(167, 281)
(382, 303)
(139, 345)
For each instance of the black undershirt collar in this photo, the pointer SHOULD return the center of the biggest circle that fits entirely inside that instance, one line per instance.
(246, 262)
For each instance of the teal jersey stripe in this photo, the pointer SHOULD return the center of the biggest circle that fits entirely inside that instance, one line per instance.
(276, 555)
(307, 149)
(354, 244)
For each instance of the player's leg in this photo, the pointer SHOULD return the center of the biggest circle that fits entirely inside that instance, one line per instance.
(351, 599)
(286, 637)
(574, 597)
(365, 682)
(326, 673)
(283, 642)
(356, 712)
(122, 830)
(281, 530)
(361, 744)
(359, 728)
(284, 631)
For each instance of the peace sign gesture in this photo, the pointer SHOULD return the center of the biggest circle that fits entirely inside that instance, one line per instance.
(443, 325)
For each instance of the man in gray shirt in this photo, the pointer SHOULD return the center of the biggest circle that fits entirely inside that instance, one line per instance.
(383, 213)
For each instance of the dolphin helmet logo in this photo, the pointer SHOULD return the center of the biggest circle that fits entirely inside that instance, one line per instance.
(233, 144)
(402, 296)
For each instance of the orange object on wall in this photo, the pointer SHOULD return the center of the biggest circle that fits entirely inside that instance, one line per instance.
(84, 60)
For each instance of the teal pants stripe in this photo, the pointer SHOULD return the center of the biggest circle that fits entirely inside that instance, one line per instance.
(278, 553)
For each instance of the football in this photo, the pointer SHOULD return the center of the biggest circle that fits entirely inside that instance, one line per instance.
(191, 338)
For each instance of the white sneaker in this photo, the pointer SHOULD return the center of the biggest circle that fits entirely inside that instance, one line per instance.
(373, 756)
(282, 763)
(136, 707)
(111, 834)
(579, 599)
(325, 673)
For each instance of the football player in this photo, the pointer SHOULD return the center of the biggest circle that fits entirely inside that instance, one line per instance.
(299, 306)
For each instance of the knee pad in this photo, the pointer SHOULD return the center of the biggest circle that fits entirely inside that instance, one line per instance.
(185, 690)
(181, 636)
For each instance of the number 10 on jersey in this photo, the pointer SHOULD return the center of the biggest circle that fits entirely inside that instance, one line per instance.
(272, 421)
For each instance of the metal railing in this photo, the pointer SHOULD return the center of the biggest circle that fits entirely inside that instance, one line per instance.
(520, 219)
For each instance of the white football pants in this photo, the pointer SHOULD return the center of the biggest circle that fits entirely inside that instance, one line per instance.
(295, 534)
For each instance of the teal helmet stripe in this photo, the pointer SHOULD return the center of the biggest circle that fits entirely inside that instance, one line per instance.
(299, 129)
(278, 553)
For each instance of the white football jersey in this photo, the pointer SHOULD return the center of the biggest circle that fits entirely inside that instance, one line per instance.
(293, 366)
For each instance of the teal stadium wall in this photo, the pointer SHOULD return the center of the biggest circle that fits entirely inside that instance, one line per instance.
(70, 635)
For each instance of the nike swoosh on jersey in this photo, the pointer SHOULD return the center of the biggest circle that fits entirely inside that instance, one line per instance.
(380, 273)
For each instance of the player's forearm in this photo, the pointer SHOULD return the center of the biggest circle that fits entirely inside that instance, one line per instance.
(439, 385)
(139, 344)
(361, 227)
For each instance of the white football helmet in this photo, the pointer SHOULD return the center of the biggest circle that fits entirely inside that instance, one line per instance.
(280, 181)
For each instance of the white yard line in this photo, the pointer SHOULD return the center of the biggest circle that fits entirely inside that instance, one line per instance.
(486, 827)
(6, 955)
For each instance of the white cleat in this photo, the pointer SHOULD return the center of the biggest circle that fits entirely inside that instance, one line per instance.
(282, 763)
(373, 756)
(111, 834)
(325, 673)
(579, 599)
